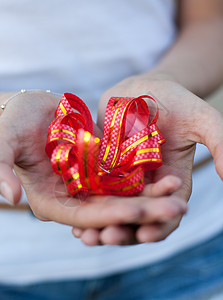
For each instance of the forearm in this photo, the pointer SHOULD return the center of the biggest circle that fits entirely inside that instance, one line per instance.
(196, 59)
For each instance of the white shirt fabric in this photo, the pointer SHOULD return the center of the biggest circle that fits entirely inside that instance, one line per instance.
(85, 47)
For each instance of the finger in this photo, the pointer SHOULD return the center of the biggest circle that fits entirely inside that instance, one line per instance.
(83, 214)
(165, 186)
(161, 209)
(90, 237)
(10, 186)
(125, 235)
(121, 211)
(118, 235)
(156, 232)
(209, 126)
(111, 235)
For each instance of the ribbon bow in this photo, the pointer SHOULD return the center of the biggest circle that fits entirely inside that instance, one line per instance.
(115, 164)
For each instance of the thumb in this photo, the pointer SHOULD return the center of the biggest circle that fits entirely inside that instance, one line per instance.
(211, 135)
(10, 187)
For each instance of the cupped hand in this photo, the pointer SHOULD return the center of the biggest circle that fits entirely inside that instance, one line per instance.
(23, 131)
(184, 120)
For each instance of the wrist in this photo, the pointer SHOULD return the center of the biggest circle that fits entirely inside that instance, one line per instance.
(7, 97)
(155, 82)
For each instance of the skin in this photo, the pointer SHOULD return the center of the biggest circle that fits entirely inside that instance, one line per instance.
(186, 120)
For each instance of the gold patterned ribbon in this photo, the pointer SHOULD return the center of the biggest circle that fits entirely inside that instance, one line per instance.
(115, 164)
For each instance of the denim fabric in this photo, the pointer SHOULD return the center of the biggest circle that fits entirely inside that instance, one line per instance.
(190, 275)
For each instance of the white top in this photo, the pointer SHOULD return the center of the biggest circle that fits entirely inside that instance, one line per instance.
(85, 47)
(81, 46)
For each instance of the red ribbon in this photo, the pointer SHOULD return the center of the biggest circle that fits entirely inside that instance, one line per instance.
(115, 164)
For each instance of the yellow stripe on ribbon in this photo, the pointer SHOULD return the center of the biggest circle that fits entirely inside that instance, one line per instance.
(58, 159)
(146, 160)
(153, 133)
(147, 150)
(127, 188)
(143, 139)
(63, 109)
(87, 137)
(62, 138)
(62, 130)
(67, 157)
(161, 141)
(115, 102)
(77, 188)
(75, 176)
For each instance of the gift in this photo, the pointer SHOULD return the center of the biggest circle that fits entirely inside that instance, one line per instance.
(115, 164)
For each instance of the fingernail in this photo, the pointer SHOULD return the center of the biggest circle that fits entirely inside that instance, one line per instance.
(77, 232)
(6, 192)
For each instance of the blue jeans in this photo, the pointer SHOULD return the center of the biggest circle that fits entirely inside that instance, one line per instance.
(193, 274)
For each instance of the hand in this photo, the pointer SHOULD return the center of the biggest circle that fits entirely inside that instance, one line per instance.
(184, 121)
(161, 222)
(23, 131)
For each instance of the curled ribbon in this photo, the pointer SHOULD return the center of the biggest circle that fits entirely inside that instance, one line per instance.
(115, 164)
